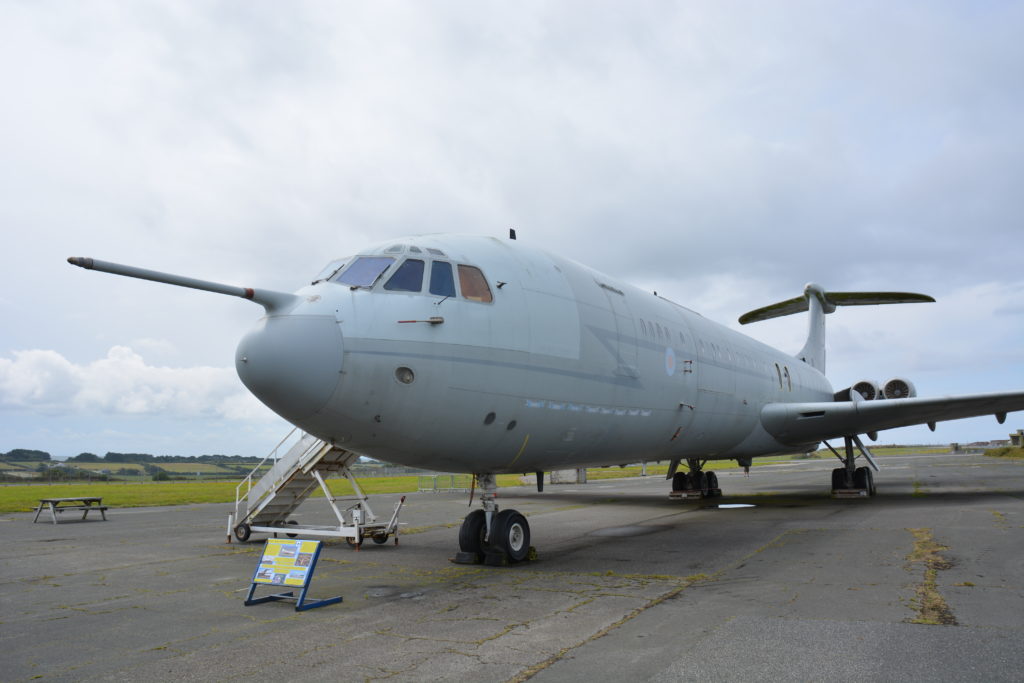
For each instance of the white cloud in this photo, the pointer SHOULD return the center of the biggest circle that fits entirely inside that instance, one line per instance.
(45, 382)
(722, 153)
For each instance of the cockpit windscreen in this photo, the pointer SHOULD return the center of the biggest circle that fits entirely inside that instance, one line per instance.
(330, 270)
(364, 271)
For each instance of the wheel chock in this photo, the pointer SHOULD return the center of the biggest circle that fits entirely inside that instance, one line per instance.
(496, 558)
(462, 557)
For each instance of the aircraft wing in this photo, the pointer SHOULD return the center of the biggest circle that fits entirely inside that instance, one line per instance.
(801, 423)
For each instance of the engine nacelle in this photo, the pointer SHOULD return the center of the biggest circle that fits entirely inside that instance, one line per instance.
(867, 389)
(899, 387)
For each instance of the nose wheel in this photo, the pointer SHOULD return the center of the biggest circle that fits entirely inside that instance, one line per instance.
(491, 536)
(511, 534)
(472, 533)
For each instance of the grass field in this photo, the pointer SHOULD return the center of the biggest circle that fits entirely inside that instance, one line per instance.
(906, 450)
(202, 467)
(1006, 452)
(112, 466)
(173, 467)
(24, 498)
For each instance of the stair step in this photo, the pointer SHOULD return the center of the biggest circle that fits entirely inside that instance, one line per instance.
(288, 482)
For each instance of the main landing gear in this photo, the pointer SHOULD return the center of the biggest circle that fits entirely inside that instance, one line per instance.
(693, 484)
(491, 536)
(849, 480)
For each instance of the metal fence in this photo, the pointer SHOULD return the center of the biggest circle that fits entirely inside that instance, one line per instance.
(445, 483)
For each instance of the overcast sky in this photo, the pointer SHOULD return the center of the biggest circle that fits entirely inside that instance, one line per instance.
(721, 153)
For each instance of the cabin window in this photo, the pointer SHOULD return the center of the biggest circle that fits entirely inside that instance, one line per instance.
(365, 271)
(408, 277)
(643, 327)
(789, 380)
(473, 285)
(442, 281)
(435, 252)
(778, 371)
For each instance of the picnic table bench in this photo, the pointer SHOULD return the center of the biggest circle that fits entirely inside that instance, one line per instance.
(85, 504)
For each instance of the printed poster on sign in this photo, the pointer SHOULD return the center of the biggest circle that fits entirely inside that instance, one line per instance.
(286, 562)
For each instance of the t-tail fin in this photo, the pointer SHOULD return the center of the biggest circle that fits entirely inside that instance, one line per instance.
(820, 303)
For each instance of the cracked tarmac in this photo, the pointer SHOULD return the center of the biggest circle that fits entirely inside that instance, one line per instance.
(628, 584)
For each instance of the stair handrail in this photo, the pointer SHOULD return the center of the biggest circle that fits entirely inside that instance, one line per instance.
(247, 481)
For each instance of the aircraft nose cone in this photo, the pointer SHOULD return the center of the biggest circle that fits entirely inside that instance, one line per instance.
(292, 363)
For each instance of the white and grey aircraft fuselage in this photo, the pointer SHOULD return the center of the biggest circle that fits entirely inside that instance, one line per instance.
(473, 354)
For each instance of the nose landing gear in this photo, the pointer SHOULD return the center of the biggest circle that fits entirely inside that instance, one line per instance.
(491, 536)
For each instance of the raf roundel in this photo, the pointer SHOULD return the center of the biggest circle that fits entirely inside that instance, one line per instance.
(670, 361)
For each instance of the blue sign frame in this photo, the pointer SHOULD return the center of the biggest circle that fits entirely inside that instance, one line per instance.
(288, 562)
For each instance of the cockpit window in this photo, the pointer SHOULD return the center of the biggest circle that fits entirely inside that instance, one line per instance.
(330, 270)
(473, 284)
(364, 271)
(408, 277)
(442, 281)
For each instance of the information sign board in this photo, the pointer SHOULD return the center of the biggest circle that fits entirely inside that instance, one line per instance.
(288, 562)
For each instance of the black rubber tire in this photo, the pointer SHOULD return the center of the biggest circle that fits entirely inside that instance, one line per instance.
(871, 483)
(293, 523)
(860, 479)
(511, 533)
(380, 538)
(243, 532)
(680, 481)
(699, 481)
(713, 489)
(838, 478)
(471, 533)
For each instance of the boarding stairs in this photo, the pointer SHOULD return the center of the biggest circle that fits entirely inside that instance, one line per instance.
(263, 503)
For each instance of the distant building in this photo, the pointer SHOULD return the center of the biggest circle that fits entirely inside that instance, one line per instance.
(995, 443)
(1017, 438)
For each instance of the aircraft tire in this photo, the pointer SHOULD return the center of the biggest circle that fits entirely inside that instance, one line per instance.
(243, 532)
(871, 483)
(838, 478)
(680, 481)
(699, 481)
(511, 534)
(713, 484)
(471, 533)
(861, 479)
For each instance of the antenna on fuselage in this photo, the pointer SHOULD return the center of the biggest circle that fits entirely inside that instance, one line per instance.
(512, 233)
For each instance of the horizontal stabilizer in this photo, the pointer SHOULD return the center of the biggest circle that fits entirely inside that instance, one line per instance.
(788, 307)
(830, 300)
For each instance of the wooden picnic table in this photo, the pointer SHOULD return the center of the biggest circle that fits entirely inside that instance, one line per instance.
(85, 504)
